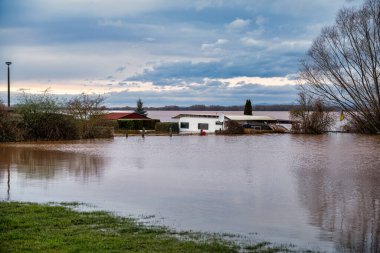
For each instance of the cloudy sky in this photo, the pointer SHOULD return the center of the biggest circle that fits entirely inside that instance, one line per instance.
(164, 51)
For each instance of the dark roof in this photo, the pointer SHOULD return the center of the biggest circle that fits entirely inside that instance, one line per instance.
(124, 115)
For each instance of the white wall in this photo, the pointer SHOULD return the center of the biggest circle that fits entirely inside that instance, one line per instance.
(193, 124)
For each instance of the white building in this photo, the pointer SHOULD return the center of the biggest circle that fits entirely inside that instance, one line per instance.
(194, 123)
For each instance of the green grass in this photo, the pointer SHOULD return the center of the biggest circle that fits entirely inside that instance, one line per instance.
(30, 227)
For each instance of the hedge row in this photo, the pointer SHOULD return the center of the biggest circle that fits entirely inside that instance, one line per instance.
(165, 127)
(137, 124)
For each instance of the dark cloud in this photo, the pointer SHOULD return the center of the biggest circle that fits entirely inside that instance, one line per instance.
(209, 94)
(189, 42)
(120, 69)
(173, 73)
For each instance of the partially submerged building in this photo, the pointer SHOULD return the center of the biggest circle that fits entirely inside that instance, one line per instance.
(210, 123)
(192, 123)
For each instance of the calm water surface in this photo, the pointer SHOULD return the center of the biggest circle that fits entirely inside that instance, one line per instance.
(319, 192)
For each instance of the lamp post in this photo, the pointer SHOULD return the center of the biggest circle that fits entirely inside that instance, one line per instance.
(9, 85)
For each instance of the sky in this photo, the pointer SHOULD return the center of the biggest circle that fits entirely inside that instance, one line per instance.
(166, 52)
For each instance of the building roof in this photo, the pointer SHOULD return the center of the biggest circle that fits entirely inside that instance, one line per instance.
(230, 117)
(123, 115)
(235, 117)
(249, 118)
(196, 116)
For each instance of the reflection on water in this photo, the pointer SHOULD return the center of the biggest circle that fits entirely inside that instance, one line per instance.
(314, 191)
(37, 162)
(339, 185)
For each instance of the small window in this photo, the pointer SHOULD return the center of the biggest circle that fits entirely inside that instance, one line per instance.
(185, 125)
(203, 126)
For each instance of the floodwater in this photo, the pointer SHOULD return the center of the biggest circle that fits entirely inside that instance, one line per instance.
(317, 192)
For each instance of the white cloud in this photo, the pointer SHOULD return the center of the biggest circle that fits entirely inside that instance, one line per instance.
(289, 45)
(260, 20)
(277, 44)
(149, 39)
(100, 8)
(219, 42)
(247, 41)
(118, 8)
(112, 22)
(265, 81)
(238, 24)
(214, 48)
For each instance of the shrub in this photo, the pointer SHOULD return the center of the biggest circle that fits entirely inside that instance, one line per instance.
(10, 126)
(150, 124)
(233, 127)
(57, 126)
(87, 109)
(100, 132)
(137, 124)
(165, 127)
(311, 116)
(51, 126)
(42, 118)
(125, 124)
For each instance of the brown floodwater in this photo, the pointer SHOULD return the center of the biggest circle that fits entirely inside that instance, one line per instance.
(317, 192)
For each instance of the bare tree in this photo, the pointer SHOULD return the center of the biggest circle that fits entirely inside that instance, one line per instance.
(87, 109)
(84, 106)
(343, 65)
(311, 116)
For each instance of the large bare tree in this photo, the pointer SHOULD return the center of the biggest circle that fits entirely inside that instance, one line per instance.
(343, 65)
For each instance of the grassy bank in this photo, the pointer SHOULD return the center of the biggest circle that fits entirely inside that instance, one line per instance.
(29, 227)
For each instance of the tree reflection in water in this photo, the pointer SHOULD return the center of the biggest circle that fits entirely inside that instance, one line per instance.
(339, 186)
(35, 163)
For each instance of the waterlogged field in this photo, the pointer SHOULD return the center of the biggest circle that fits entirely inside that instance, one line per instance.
(317, 192)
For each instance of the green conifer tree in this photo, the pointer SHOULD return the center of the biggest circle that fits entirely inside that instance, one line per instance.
(140, 107)
(248, 107)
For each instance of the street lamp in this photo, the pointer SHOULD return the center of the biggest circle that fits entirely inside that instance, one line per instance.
(9, 85)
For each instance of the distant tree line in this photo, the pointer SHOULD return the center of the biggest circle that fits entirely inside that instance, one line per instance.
(280, 107)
